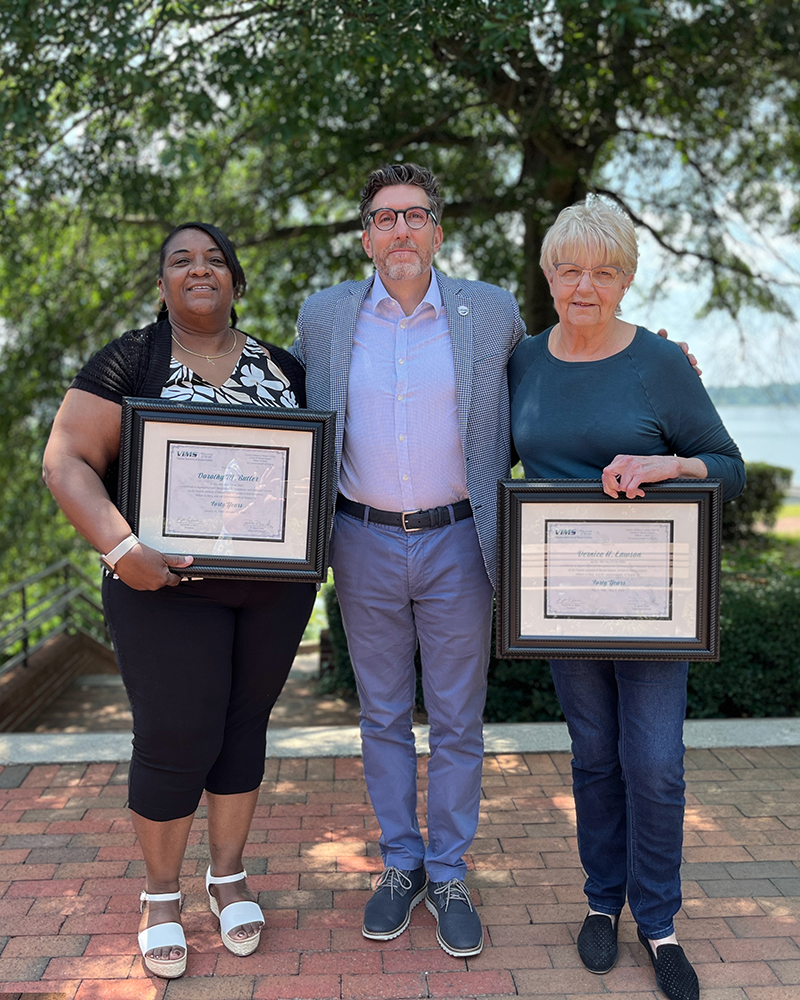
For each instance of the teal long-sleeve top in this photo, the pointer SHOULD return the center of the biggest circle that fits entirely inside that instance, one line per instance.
(570, 419)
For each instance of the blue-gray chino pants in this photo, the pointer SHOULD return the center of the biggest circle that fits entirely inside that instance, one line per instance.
(396, 589)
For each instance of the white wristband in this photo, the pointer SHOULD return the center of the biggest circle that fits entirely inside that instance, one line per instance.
(113, 557)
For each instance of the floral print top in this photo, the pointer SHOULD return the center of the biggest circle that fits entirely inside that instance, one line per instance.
(256, 379)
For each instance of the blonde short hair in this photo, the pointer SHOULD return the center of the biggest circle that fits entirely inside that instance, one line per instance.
(595, 227)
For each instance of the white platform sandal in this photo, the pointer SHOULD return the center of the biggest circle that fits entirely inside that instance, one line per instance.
(169, 935)
(243, 911)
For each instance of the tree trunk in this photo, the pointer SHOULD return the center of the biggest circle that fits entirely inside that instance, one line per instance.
(554, 185)
(537, 310)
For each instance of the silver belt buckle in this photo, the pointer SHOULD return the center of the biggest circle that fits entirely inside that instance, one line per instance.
(404, 515)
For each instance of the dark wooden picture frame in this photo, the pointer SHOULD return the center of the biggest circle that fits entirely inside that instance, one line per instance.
(166, 444)
(552, 590)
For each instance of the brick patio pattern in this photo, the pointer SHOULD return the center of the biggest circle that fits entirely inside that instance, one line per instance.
(71, 873)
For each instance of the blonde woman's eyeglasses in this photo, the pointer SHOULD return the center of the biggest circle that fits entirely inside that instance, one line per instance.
(601, 277)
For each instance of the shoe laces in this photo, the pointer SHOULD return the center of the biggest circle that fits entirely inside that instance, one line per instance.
(454, 891)
(395, 879)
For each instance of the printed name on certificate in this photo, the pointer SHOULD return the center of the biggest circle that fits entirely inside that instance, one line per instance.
(608, 569)
(225, 492)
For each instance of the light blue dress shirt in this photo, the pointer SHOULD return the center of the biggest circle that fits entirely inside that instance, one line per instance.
(402, 449)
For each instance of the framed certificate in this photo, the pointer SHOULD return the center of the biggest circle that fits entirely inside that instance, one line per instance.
(245, 490)
(584, 576)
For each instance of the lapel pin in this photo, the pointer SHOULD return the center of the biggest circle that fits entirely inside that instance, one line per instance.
(463, 310)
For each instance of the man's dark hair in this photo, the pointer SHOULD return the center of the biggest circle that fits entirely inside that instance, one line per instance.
(228, 252)
(402, 173)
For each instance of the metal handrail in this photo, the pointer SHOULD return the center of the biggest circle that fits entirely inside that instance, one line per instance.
(63, 600)
(35, 577)
(24, 615)
(63, 607)
(20, 657)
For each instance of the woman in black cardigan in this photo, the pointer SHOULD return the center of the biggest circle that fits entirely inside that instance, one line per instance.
(203, 660)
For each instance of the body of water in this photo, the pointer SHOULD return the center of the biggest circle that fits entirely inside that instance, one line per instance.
(766, 434)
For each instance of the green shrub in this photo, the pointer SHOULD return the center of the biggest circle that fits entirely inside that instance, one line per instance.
(759, 671)
(337, 677)
(521, 691)
(758, 674)
(760, 502)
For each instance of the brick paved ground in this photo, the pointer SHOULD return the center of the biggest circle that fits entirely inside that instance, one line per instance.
(70, 874)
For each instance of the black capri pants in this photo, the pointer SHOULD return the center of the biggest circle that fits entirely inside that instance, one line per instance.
(203, 663)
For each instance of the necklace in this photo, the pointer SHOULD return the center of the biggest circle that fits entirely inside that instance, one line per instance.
(210, 358)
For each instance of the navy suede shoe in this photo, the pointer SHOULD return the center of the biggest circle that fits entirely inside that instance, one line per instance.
(675, 976)
(388, 912)
(458, 926)
(597, 943)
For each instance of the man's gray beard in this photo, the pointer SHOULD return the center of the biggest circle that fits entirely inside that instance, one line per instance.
(404, 271)
(400, 272)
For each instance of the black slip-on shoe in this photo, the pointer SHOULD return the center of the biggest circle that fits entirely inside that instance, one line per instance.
(458, 926)
(388, 911)
(597, 943)
(675, 976)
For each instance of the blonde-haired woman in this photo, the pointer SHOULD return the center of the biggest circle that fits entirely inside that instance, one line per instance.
(596, 397)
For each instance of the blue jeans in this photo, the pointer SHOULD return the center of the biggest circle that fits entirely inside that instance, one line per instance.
(396, 590)
(625, 719)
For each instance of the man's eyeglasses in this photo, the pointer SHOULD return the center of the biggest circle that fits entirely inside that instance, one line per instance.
(416, 217)
(602, 276)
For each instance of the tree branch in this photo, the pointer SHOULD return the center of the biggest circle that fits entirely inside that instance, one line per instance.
(294, 232)
(714, 262)
(675, 141)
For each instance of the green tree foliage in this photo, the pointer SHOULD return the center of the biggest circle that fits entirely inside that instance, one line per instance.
(263, 116)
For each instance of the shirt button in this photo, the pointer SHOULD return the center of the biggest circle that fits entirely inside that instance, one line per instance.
(402, 437)
(405, 479)
(399, 397)
(401, 361)
(402, 326)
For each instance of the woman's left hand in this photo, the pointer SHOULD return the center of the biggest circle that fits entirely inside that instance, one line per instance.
(624, 474)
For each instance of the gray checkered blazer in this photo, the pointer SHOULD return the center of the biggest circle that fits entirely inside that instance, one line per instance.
(485, 327)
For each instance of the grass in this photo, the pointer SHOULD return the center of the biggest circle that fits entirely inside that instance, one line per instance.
(764, 555)
(790, 510)
(771, 552)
